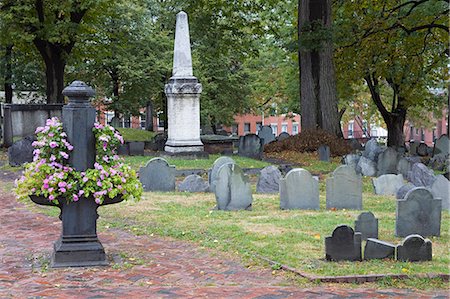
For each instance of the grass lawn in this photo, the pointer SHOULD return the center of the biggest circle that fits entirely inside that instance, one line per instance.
(130, 134)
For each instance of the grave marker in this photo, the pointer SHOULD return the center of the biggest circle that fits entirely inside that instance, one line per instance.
(299, 190)
(387, 184)
(377, 249)
(414, 248)
(250, 146)
(367, 225)
(157, 175)
(269, 180)
(233, 190)
(344, 189)
(266, 134)
(343, 245)
(212, 177)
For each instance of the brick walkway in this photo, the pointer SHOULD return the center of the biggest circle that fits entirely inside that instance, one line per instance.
(162, 268)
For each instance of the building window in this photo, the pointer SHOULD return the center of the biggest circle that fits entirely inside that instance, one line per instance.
(142, 121)
(108, 117)
(294, 129)
(258, 127)
(274, 129)
(422, 134)
(284, 128)
(365, 130)
(417, 131)
(411, 133)
(246, 128)
(235, 129)
(350, 129)
(126, 121)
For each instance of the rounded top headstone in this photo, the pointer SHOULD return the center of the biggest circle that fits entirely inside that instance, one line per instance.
(343, 233)
(366, 216)
(78, 90)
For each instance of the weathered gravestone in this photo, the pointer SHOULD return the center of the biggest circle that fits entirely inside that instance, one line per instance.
(441, 146)
(441, 189)
(372, 150)
(418, 213)
(233, 190)
(283, 136)
(422, 150)
(401, 193)
(269, 180)
(387, 161)
(367, 225)
(115, 122)
(21, 151)
(250, 146)
(439, 162)
(351, 160)
(387, 184)
(212, 176)
(136, 148)
(420, 175)
(413, 148)
(344, 189)
(355, 145)
(377, 249)
(299, 190)
(414, 248)
(324, 153)
(366, 167)
(343, 245)
(157, 175)
(193, 183)
(266, 134)
(404, 166)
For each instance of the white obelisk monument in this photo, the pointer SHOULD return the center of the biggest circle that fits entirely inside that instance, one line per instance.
(183, 96)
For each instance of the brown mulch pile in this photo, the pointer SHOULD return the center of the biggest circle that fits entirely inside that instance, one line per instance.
(309, 141)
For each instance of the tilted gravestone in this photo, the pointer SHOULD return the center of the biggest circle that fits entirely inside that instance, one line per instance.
(420, 175)
(193, 183)
(343, 245)
(366, 167)
(423, 150)
(372, 150)
(403, 190)
(299, 190)
(367, 225)
(21, 151)
(344, 189)
(388, 184)
(269, 180)
(212, 176)
(266, 134)
(233, 190)
(439, 162)
(414, 248)
(283, 136)
(441, 189)
(404, 167)
(418, 213)
(250, 146)
(324, 153)
(387, 161)
(377, 249)
(351, 160)
(157, 175)
(441, 146)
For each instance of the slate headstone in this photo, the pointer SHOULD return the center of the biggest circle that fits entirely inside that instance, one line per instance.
(439, 162)
(193, 183)
(413, 148)
(414, 248)
(324, 153)
(366, 167)
(212, 176)
(377, 249)
(388, 184)
(233, 190)
(441, 146)
(404, 166)
(269, 180)
(136, 148)
(344, 189)
(351, 160)
(250, 146)
(283, 136)
(401, 193)
(372, 150)
(355, 145)
(123, 149)
(418, 213)
(299, 190)
(266, 134)
(115, 122)
(441, 189)
(387, 162)
(422, 150)
(420, 175)
(21, 151)
(343, 245)
(157, 175)
(367, 225)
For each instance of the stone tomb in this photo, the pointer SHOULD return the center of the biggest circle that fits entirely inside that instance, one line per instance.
(269, 180)
(193, 183)
(266, 134)
(299, 190)
(441, 189)
(233, 190)
(343, 245)
(212, 176)
(418, 213)
(387, 161)
(324, 153)
(157, 175)
(367, 225)
(377, 249)
(250, 146)
(344, 189)
(387, 184)
(414, 248)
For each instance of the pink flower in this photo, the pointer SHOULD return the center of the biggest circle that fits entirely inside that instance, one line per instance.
(45, 186)
(85, 179)
(62, 184)
(70, 147)
(39, 129)
(51, 197)
(99, 183)
(53, 144)
(63, 190)
(51, 134)
(97, 200)
(50, 189)
(64, 155)
(80, 193)
(52, 158)
(75, 197)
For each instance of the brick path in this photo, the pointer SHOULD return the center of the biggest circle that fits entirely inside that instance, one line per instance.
(163, 268)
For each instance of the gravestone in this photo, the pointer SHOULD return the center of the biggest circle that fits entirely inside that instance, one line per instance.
(123, 149)
(115, 122)
(193, 183)
(404, 166)
(250, 146)
(414, 248)
(21, 151)
(377, 249)
(324, 153)
(269, 180)
(233, 190)
(439, 162)
(418, 213)
(157, 175)
(441, 189)
(136, 148)
(352, 160)
(212, 176)
(283, 136)
(420, 175)
(441, 145)
(355, 145)
(366, 167)
(266, 134)
(299, 190)
(344, 189)
(343, 245)
(372, 150)
(387, 184)
(422, 150)
(413, 148)
(387, 161)
(401, 193)
(367, 225)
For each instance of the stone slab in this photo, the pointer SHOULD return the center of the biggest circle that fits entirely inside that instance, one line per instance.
(324, 153)
(366, 167)
(388, 184)
(387, 161)
(441, 189)
(367, 225)
(193, 183)
(233, 190)
(21, 151)
(344, 189)
(343, 245)
(266, 134)
(421, 176)
(415, 248)
(401, 193)
(376, 249)
(299, 190)
(441, 146)
(212, 176)
(269, 180)
(251, 146)
(157, 175)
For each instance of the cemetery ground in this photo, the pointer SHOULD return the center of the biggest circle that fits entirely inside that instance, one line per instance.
(293, 238)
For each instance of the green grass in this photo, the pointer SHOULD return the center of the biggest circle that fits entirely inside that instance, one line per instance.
(138, 161)
(130, 134)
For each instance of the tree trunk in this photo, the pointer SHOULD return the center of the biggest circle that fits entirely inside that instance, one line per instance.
(395, 129)
(8, 74)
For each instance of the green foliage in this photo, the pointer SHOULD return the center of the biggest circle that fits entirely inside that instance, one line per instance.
(130, 134)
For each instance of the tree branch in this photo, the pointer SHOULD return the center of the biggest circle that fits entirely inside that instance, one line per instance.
(372, 83)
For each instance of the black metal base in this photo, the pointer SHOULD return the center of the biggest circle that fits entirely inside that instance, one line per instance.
(78, 252)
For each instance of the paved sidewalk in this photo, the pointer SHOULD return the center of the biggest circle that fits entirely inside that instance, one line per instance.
(158, 268)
